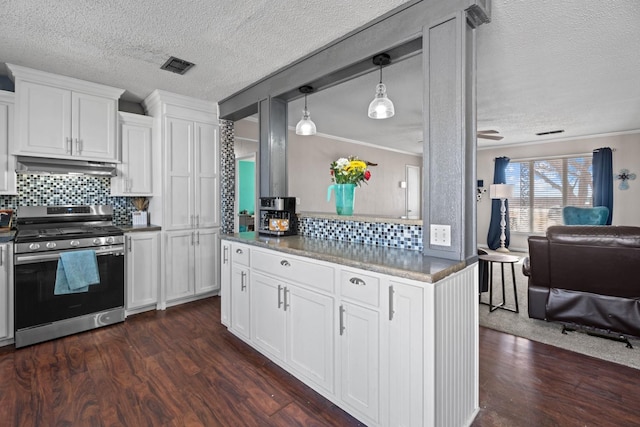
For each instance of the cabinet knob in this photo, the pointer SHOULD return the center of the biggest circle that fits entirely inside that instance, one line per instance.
(239, 251)
(285, 263)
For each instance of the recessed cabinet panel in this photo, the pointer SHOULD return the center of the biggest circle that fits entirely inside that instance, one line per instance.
(225, 283)
(268, 315)
(180, 264)
(44, 120)
(6, 292)
(142, 252)
(240, 308)
(206, 174)
(94, 126)
(207, 260)
(406, 338)
(360, 358)
(7, 161)
(310, 334)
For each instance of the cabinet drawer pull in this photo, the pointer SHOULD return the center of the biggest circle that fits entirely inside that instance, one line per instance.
(279, 296)
(239, 251)
(286, 300)
(342, 310)
(243, 276)
(285, 263)
(225, 254)
(357, 281)
(68, 140)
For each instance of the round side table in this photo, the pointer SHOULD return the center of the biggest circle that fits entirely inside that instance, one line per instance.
(501, 259)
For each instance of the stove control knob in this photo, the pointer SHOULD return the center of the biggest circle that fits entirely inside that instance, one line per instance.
(50, 245)
(97, 241)
(74, 243)
(110, 240)
(34, 246)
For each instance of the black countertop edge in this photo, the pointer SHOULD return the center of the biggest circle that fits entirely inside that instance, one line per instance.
(402, 263)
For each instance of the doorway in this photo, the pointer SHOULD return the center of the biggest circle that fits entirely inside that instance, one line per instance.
(414, 192)
(245, 193)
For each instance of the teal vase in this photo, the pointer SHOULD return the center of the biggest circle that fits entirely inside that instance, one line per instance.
(344, 194)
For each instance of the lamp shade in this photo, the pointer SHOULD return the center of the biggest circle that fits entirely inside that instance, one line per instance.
(381, 107)
(306, 126)
(501, 191)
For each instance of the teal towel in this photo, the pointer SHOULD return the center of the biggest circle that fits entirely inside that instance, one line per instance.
(76, 271)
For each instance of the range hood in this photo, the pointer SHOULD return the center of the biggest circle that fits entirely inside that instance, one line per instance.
(46, 166)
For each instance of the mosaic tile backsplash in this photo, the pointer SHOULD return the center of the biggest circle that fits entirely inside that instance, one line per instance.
(399, 236)
(41, 190)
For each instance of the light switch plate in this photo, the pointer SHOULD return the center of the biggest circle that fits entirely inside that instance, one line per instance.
(440, 235)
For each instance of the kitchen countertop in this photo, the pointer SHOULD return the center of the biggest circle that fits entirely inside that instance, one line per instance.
(395, 262)
(7, 236)
(139, 228)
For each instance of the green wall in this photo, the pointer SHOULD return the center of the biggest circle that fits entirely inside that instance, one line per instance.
(246, 186)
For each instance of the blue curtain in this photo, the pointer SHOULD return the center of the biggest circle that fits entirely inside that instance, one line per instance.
(603, 179)
(499, 177)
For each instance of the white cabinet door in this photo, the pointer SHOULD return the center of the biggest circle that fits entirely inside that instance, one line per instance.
(142, 269)
(44, 120)
(240, 311)
(406, 364)
(310, 332)
(94, 127)
(180, 264)
(179, 207)
(206, 175)
(225, 283)
(206, 262)
(360, 358)
(7, 161)
(267, 315)
(6, 292)
(134, 173)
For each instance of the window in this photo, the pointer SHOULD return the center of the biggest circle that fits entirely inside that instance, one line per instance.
(543, 186)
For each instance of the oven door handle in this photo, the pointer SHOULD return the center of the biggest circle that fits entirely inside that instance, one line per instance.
(32, 258)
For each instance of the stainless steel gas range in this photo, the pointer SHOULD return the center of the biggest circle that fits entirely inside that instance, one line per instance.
(68, 271)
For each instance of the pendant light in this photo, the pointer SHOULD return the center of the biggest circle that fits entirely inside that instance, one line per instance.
(381, 107)
(306, 126)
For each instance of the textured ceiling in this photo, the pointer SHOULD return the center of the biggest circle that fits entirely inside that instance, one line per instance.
(123, 43)
(542, 65)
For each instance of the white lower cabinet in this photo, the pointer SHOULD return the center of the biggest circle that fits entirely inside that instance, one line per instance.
(142, 266)
(406, 365)
(6, 293)
(268, 321)
(240, 311)
(225, 283)
(192, 263)
(371, 343)
(360, 359)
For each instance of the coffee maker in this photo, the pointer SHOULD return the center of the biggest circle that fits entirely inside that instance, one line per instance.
(278, 216)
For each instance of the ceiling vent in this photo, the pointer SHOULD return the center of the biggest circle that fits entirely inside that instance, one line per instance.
(551, 132)
(177, 65)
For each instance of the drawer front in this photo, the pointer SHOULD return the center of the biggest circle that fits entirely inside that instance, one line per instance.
(360, 287)
(240, 254)
(294, 269)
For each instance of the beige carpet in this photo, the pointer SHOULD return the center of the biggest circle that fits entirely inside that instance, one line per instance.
(521, 325)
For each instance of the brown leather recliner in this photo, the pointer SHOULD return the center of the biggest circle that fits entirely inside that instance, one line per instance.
(586, 275)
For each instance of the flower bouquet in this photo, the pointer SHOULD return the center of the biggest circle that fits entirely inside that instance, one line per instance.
(350, 170)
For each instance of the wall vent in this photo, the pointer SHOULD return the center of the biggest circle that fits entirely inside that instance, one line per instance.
(177, 65)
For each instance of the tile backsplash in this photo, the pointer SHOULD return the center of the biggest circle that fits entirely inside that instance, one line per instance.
(387, 235)
(40, 190)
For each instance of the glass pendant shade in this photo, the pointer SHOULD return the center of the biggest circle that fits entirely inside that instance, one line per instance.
(306, 126)
(381, 107)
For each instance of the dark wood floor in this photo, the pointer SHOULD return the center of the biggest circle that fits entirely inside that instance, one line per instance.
(180, 367)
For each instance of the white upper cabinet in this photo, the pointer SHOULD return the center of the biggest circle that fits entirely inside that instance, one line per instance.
(7, 161)
(62, 117)
(134, 173)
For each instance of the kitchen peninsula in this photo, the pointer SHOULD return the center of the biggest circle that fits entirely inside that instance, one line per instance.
(387, 334)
